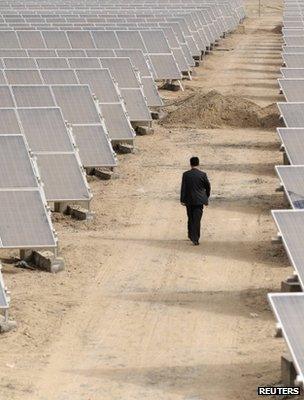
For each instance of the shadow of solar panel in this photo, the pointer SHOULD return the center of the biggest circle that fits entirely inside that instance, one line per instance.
(62, 177)
(105, 40)
(116, 121)
(293, 141)
(122, 71)
(136, 105)
(52, 63)
(293, 73)
(16, 170)
(94, 148)
(59, 76)
(130, 40)
(293, 60)
(6, 98)
(100, 53)
(101, 84)
(137, 59)
(292, 178)
(76, 103)
(155, 42)
(80, 40)
(23, 77)
(56, 39)
(33, 96)
(293, 89)
(31, 39)
(9, 40)
(164, 66)
(24, 222)
(19, 63)
(151, 92)
(84, 62)
(288, 308)
(9, 124)
(293, 114)
(45, 129)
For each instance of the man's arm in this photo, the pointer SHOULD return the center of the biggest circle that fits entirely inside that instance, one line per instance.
(183, 190)
(207, 185)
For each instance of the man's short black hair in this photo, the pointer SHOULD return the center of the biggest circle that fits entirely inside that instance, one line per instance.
(194, 161)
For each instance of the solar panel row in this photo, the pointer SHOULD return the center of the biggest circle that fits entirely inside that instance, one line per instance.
(289, 308)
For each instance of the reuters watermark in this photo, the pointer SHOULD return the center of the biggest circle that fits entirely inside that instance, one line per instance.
(278, 391)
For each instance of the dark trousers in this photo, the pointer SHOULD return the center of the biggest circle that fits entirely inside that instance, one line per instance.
(194, 222)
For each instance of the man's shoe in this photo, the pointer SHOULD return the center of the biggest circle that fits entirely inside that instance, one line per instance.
(196, 243)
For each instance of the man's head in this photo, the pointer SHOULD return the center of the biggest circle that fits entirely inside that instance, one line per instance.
(194, 162)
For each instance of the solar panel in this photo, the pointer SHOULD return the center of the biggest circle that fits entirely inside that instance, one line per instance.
(9, 40)
(293, 114)
(289, 311)
(155, 42)
(23, 76)
(52, 63)
(293, 140)
(293, 49)
(16, 170)
(293, 73)
(96, 53)
(117, 124)
(80, 39)
(136, 105)
(45, 129)
(105, 40)
(62, 176)
(293, 89)
(30, 39)
(56, 40)
(294, 40)
(6, 98)
(291, 226)
(137, 59)
(76, 103)
(9, 124)
(130, 40)
(121, 70)
(292, 178)
(33, 96)
(164, 67)
(84, 62)
(71, 53)
(41, 53)
(24, 220)
(293, 60)
(12, 53)
(101, 84)
(93, 146)
(59, 76)
(151, 92)
(19, 63)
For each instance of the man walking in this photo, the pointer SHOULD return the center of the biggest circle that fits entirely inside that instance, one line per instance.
(195, 192)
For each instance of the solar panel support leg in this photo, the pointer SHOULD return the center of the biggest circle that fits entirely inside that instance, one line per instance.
(61, 207)
(45, 260)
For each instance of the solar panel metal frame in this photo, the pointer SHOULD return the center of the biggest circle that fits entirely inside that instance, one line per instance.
(292, 176)
(293, 142)
(293, 89)
(292, 121)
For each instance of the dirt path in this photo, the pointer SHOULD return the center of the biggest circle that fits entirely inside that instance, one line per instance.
(142, 314)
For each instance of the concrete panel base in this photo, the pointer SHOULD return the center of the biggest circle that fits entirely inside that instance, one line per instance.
(144, 130)
(288, 372)
(6, 325)
(45, 260)
(124, 148)
(104, 174)
(80, 213)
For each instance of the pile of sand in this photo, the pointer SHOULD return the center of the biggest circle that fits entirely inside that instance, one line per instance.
(213, 110)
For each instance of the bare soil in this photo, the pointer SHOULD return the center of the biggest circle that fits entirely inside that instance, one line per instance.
(139, 313)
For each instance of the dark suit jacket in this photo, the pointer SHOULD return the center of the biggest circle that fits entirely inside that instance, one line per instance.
(196, 188)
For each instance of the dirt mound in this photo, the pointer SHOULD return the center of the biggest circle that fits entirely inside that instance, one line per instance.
(213, 110)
